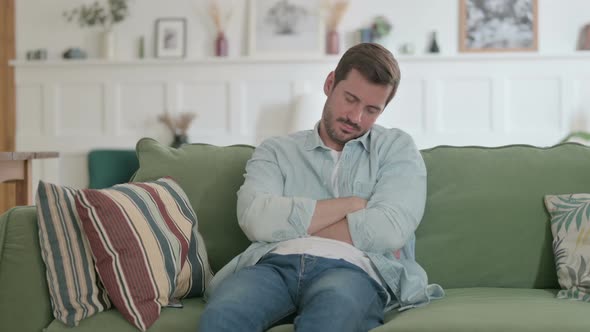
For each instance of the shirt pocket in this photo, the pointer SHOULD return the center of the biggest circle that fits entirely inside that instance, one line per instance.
(363, 189)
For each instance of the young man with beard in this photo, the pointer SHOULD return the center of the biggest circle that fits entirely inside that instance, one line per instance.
(331, 213)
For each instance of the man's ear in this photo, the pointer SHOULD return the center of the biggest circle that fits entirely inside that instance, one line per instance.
(329, 83)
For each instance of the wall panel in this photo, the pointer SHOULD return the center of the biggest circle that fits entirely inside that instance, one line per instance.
(458, 100)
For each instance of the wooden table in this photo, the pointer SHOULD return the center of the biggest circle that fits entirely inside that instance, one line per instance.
(17, 167)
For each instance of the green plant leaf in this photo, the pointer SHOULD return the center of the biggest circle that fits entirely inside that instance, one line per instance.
(559, 252)
(569, 210)
(578, 134)
(96, 14)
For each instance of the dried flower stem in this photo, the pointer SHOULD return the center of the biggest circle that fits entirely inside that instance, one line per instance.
(336, 11)
(179, 124)
(219, 19)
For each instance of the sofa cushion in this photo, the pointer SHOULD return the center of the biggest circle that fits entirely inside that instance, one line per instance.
(485, 222)
(210, 176)
(570, 225)
(475, 309)
(493, 309)
(139, 234)
(24, 300)
(75, 290)
(488, 309)
(171, 319)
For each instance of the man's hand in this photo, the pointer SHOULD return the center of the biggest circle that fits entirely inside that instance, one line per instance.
(330, 211)
(357, 203)
(337, 231)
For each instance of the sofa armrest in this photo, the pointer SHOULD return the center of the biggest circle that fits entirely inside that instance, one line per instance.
(107, 167)
(24, 303)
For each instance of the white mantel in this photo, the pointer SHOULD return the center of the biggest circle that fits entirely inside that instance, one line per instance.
(484, 99)
(464, 57)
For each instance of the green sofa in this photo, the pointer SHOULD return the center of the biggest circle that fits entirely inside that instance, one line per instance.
(485, 237)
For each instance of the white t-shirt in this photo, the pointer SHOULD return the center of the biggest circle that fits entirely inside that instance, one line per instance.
(328, 248)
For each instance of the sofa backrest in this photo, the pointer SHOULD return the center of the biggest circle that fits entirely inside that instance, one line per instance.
(485, 222)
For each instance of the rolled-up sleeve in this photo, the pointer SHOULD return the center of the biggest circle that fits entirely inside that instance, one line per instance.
(396, 206)
(264, 214)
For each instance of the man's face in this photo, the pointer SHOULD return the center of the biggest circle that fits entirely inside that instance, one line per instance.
(351, 109)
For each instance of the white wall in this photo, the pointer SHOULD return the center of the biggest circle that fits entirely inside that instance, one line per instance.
(39, 24)
(489, 99)
(76, 106)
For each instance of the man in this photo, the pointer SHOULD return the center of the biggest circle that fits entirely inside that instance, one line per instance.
(331, 213)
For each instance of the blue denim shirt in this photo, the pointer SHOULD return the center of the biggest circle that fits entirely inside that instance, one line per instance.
(287, 175)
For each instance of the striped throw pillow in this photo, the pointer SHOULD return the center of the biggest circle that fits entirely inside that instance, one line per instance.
(74, 288)
(140, 235)
(196, 273)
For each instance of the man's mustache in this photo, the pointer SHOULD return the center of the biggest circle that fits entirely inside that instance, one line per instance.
(354, 125)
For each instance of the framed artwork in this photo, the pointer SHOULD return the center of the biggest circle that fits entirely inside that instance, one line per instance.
(498, 26)
(280, 27)
(170, 38)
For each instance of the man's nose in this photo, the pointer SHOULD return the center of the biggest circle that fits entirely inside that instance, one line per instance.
(355, 115)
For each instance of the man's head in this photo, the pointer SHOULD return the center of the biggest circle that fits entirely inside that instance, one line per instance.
(374, 62)
(363, 83)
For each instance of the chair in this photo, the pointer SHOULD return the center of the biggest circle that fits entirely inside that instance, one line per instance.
(107, 167)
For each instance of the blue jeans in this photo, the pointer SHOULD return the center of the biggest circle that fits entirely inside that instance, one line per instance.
(322, 294)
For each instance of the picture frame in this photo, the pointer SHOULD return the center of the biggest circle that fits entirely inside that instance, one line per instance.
(170, 37)
(285, 27)
(498, 26)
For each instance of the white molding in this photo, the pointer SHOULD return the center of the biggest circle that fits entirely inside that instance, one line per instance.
(49, 108)
(171, 97)
(498, 107)
(115, 111)
(235, 108)
(286, 58)
(563, 103)
(436, 97)
(423, 106)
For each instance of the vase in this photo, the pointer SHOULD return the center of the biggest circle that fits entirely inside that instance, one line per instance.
(366, 35)
(433, 48)
(584, 39)
(221, 47)
(179, 140)
(108, 44)
(333, 42)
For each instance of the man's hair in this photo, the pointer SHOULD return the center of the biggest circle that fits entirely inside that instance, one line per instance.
(374, 62)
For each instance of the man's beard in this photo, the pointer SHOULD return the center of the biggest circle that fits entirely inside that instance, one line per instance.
(328, 119)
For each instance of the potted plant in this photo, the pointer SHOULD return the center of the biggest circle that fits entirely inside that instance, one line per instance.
(380, 29)
(178, 125)
(104, 16)
(577, 136)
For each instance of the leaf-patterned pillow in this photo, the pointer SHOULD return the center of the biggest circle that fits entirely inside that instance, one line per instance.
(570, 225)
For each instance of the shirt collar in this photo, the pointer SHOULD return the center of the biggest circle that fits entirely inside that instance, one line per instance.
(314, 140)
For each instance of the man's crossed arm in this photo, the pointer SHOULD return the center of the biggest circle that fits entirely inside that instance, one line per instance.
(329, 217)
(397, 202)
